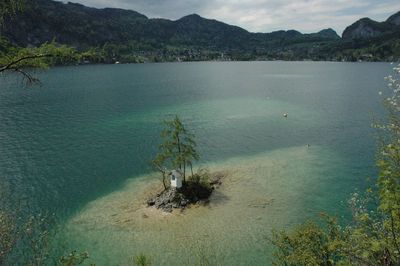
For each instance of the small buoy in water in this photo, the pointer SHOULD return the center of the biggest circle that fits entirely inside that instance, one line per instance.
(308, 145)
(285, 115)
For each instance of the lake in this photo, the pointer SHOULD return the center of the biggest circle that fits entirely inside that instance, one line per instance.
(80, 146)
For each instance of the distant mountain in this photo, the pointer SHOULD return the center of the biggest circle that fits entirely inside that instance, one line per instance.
(394, 19)
(329, 34)
(81, 26)
(128, 36)
(72, 24)
(367, 28)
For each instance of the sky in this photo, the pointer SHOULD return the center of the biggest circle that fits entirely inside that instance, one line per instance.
(263, 15)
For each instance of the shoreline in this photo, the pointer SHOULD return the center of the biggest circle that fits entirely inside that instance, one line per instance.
(226, 61)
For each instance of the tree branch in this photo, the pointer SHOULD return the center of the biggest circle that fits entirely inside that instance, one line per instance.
(30, 79)
(13, 63)
(159, 168)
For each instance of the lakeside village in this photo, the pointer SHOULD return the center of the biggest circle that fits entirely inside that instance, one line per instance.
(194, 55)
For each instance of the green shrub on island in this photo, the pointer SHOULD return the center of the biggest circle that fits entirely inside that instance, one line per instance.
(202, 177)
(197, 187)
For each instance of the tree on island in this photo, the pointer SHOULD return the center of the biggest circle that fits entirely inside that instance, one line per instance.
(177, 151)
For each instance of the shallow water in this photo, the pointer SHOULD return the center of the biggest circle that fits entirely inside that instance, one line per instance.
(259, 193)
(80, 145)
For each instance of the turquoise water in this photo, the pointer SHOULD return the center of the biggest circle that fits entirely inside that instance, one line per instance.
(89, 132)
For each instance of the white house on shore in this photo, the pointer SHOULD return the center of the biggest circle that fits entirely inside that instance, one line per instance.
(176, 178)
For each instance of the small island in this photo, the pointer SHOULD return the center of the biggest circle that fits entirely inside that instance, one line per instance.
(196, 190)
(177, 152)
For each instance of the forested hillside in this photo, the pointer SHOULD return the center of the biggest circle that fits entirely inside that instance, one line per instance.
(110, 35)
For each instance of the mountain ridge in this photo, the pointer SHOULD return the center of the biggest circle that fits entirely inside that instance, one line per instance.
(70, 14)
(127, 34)
(367, 28)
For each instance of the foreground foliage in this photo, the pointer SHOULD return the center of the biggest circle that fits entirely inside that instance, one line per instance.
(373, 236)
(142, 260)
(18, 60)
(25, 239)
(21, 60)
(28, 241)
(74, 259)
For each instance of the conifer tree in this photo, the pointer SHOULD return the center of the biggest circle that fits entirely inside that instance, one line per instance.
(178, 149)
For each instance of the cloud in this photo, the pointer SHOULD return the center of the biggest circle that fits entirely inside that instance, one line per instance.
(264, 15)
